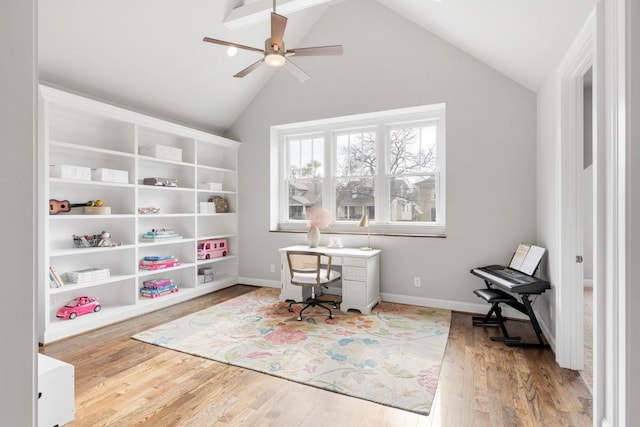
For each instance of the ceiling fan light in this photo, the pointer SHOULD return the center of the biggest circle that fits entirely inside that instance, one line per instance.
(232, 51)
(275, 60)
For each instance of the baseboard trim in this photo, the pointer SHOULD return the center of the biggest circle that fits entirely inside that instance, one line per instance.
(464, 307)
(259, 282)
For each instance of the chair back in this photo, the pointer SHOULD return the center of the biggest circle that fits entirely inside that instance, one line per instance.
(305, 268)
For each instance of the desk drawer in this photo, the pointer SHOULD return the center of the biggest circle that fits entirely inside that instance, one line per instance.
(354, 273)
(356, 262)
(353, 294)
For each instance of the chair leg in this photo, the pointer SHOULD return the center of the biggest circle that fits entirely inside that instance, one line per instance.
(311, 302)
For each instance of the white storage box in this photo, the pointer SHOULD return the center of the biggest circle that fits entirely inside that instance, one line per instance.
(110, 175)
(213, 186)
(80, 173)
(207, 207)
(162, 152)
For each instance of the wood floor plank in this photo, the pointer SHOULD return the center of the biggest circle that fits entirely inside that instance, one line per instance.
(123, 382)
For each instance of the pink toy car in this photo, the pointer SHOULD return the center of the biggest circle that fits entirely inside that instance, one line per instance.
(79, 306)
(212, 248)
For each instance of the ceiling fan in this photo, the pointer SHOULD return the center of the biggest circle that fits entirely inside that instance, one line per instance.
(274, 52)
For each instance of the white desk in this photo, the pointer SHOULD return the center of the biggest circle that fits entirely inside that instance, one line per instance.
(360, 277)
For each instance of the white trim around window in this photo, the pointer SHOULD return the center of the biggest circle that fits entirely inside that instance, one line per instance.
(395, 204)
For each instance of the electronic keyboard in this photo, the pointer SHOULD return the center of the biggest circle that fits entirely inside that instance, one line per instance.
(511, 280)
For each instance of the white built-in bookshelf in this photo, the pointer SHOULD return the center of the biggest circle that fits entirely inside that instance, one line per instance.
(76, 133)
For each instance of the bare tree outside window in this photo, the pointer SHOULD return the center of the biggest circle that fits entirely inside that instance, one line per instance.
(412, 173)
(356, 167)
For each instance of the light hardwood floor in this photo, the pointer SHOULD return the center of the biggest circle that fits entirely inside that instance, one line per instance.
(123, 382)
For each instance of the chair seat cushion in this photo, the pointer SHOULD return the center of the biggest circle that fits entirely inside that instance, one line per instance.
(310, 278)
(494, 295)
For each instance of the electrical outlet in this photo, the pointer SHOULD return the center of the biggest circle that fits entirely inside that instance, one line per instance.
(273, 268)
(416, 282)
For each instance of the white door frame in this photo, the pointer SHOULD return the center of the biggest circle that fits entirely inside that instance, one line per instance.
(604, 40)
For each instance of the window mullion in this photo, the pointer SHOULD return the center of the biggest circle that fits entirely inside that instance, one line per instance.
(328, 184)
(284, 177)
(381, 184)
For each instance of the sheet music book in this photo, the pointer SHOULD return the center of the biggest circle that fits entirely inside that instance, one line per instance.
(527, 258)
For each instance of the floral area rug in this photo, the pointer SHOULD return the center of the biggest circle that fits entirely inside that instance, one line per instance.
(391, 356)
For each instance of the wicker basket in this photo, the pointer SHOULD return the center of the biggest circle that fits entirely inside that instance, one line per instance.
(222, 205)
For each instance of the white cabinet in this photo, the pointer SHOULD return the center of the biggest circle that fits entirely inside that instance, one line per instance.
(75, 134)
(56, 388)
(360, 277)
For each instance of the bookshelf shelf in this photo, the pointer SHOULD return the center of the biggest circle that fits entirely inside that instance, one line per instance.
(82, 134)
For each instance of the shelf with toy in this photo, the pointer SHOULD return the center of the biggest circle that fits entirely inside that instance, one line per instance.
(154, 228)
(120, 233)
(120, 198)
(170, 173)
(167, 202)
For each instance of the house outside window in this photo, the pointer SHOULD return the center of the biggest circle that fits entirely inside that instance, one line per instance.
(389, 165)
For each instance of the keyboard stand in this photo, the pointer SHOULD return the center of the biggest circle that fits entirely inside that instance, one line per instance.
(494, 317)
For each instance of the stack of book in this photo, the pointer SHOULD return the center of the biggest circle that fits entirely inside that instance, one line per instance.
(55, 281)
(157, 288)
(87, 275)
(158, 262)
(160, 234)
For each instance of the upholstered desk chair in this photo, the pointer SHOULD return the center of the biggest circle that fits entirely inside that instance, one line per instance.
(306, 269)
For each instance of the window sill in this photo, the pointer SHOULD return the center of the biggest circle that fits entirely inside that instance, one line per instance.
(397, 231)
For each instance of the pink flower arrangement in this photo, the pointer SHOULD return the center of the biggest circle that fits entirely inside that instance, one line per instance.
(318, 217)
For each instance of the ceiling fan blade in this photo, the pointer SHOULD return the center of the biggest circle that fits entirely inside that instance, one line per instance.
(249, 69)
(316, 51)
(296, 71)
(224, 43)
(278, 24)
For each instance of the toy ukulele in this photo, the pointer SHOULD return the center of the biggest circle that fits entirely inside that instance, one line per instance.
(57, 206)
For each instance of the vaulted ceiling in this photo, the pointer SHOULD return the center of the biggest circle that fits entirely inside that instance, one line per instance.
(148, 55)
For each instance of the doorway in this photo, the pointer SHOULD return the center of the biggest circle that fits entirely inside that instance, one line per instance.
(587, 220)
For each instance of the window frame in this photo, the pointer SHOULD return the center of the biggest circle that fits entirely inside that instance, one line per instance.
(382, 122)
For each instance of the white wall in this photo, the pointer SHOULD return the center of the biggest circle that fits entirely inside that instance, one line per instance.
(547, 195)
(491, 151)
(17, 138)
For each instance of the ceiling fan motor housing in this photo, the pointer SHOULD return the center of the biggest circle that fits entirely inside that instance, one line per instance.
(274, 54)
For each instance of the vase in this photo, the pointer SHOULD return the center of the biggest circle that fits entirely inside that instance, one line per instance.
(313, 237)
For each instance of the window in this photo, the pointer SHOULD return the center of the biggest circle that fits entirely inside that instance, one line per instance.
(305, 169)
(388, 165)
